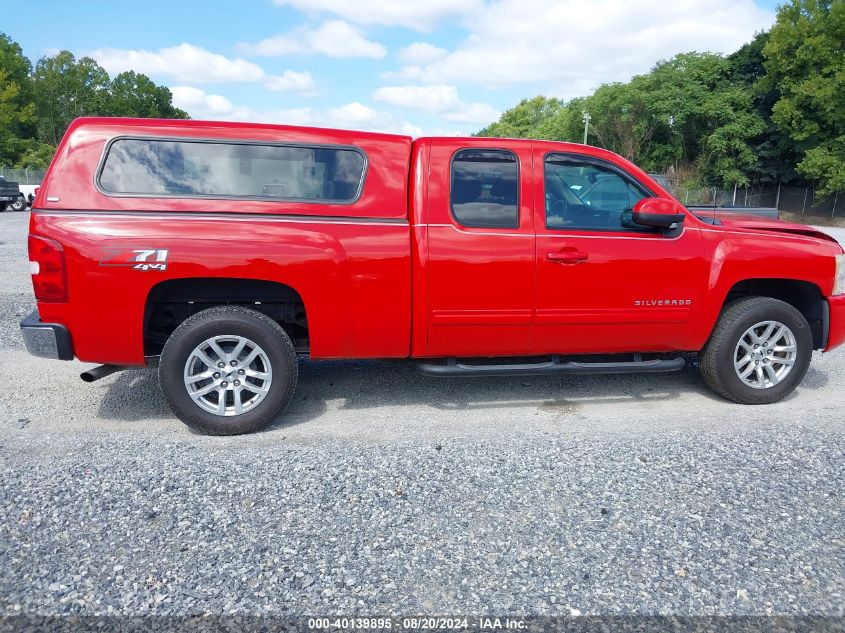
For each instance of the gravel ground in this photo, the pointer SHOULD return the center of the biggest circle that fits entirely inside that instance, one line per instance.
(385, 492)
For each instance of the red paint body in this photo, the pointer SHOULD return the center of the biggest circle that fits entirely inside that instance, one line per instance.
(393, 275)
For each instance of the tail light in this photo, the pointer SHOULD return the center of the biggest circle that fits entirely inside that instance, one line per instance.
(47, 265)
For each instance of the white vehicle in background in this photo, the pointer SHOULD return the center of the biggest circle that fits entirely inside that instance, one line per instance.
(28, 192)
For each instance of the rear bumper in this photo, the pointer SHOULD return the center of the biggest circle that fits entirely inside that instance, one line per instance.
(47, 340)
(836, 322)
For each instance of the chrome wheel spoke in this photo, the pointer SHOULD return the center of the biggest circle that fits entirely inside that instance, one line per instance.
(199, 393)
(774, 338)
(747, 371)
(252, 373)
(206, 375)
(772, 374)
(255, 388)
(748, 347)
(250, 357)
(215, 347)
(238, 349)
(204, 358)
(236, 395)
(745, 359)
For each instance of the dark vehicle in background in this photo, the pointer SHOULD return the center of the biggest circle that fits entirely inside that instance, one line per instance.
(713, 210)
(11, 196)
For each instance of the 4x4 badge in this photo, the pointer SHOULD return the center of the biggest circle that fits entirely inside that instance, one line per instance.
(138, 259)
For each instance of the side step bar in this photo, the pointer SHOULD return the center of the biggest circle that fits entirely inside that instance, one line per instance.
(554, 366)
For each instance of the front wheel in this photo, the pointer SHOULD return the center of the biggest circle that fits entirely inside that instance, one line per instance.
(759, 351)
(228, 370)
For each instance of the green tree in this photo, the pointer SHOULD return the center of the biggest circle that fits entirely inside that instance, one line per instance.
(17, 110)
(805, 62)
(685, 111)
(66, 89)
(525, 119)
(37, 156)
(621, 118)
(777, 153)
(135, 95)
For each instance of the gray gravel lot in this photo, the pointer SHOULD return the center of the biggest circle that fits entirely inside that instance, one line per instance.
(382, 491)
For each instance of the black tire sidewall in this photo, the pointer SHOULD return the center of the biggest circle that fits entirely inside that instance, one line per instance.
(804, 339)
(182, 343)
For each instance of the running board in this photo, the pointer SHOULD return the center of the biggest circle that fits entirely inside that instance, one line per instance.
(453, 368)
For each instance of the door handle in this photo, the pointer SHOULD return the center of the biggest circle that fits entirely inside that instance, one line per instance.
(567, 257)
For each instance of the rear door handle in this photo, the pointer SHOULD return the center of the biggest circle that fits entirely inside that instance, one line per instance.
(567, 257)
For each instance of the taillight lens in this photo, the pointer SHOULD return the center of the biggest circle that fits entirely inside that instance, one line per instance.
(47, 265)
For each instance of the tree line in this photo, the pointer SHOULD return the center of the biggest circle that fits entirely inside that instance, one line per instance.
(771, 112)
(37, 103)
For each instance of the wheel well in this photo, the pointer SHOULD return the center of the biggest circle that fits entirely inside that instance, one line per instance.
(802, 295)
(169, 303)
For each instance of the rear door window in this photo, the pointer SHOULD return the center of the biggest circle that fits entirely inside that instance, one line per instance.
(485, 188)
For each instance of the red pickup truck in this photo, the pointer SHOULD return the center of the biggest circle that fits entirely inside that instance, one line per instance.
(223, 251)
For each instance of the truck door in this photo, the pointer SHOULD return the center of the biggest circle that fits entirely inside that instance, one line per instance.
(480, 265)
(605, 285)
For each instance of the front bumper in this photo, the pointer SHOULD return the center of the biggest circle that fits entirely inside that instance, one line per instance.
(47, 340)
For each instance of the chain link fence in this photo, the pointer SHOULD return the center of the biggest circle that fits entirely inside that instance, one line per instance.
(798, 200)
(23, 176)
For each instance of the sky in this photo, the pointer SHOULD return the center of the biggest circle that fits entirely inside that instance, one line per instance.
(418, 67)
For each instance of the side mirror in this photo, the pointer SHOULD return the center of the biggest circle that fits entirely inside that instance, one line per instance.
(658, 213)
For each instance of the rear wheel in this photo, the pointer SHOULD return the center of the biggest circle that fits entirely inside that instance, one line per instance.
(758, 352)
(228, 370)
(19, 204)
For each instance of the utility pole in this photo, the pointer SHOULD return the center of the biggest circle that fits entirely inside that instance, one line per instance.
(586, 118)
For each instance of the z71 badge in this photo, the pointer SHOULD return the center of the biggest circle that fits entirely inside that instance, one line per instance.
(138, 259)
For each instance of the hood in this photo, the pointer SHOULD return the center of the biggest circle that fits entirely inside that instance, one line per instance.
(736, 222)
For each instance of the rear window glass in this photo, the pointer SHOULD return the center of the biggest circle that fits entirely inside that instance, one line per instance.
(485, 191)
(244, 170)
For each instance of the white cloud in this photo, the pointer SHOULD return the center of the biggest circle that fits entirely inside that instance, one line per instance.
(355, 115)
(292, 81)
(421, 53)
(193, 64)
(420, 15)
(184, 63)
(201, 105)
(334, 38)
(570, 46)
(441, 99)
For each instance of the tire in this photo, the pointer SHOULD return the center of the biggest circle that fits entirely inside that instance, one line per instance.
(227, 326)
(19, 204)
(724, 351)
